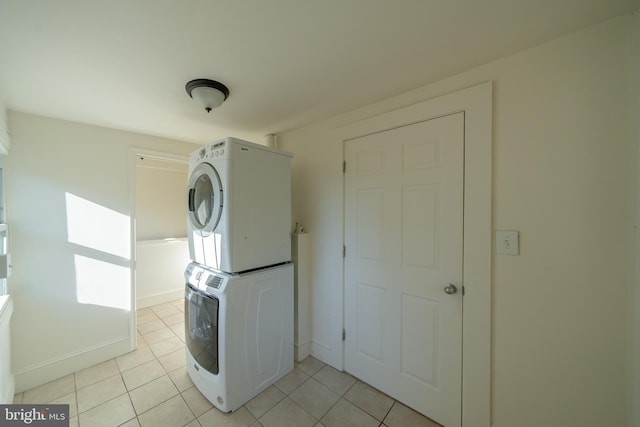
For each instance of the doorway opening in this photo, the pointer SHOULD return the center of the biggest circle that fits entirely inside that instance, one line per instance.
(159, 228)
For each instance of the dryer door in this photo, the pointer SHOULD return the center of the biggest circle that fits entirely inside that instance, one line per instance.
(204, 199)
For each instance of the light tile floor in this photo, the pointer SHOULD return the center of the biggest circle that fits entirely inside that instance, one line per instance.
(150, 387)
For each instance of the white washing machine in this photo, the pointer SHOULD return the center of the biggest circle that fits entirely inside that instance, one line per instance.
(239, 206)
(239, 331)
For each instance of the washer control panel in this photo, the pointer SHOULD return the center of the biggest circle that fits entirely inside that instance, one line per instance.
(204, 279)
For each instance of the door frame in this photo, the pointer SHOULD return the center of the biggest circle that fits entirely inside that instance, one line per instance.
(476, 103)
(133, 153)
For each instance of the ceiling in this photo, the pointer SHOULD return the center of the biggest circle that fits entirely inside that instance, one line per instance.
(124, 63)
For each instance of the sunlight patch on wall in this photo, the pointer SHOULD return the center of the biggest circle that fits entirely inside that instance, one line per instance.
(102, 283)
(103, 253)
(97, 227)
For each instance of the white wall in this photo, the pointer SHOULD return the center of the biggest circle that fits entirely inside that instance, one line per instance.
(5, 142)
(160, 271)
(68, 196)
(160, 199)
(160, 214)
(563, 156)
(7, 379)
(634, 299)
(3, 112)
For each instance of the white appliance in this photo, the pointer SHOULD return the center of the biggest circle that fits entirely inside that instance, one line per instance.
(239, 331)
(239, 206)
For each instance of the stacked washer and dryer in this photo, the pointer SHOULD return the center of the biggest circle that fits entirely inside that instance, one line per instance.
(239, 285)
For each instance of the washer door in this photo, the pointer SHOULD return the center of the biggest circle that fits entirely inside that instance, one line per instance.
(201, 328)
(204, 199)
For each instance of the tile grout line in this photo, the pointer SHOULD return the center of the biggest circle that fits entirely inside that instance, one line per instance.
(128, 395)
(308, 372)
(179, 393)
(296, 403)
(342, 396)
(128, 392)
(388, 412)
(75, 390)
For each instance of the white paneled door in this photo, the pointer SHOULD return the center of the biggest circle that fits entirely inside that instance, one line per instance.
(403, 264)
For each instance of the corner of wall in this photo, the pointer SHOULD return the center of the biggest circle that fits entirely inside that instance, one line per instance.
(634, 300)
(3, 111)
(4, 130)
(7, 379)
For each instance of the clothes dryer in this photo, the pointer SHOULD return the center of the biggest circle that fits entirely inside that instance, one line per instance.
(239, 206)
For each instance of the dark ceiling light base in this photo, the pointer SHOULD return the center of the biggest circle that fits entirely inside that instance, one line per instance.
(208, 93)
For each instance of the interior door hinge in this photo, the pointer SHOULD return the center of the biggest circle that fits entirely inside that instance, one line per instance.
(344, 167)
(344, 251)
(344, 334)
(463, 291)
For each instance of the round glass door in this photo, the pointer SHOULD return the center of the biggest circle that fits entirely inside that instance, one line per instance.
(201, 321)
(205, 198)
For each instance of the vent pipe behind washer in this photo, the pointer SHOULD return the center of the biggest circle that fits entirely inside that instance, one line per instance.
(270, 140)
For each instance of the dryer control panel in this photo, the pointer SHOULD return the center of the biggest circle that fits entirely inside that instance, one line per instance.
(211, 151)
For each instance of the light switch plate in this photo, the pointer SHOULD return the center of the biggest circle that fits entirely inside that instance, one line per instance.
(507, 242)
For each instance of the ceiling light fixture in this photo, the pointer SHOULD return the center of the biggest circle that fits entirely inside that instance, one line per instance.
(208, 93)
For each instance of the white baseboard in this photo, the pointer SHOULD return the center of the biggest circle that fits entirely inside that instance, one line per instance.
(161, 298)
(301, 351)
(324, 354)
(59, 367)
